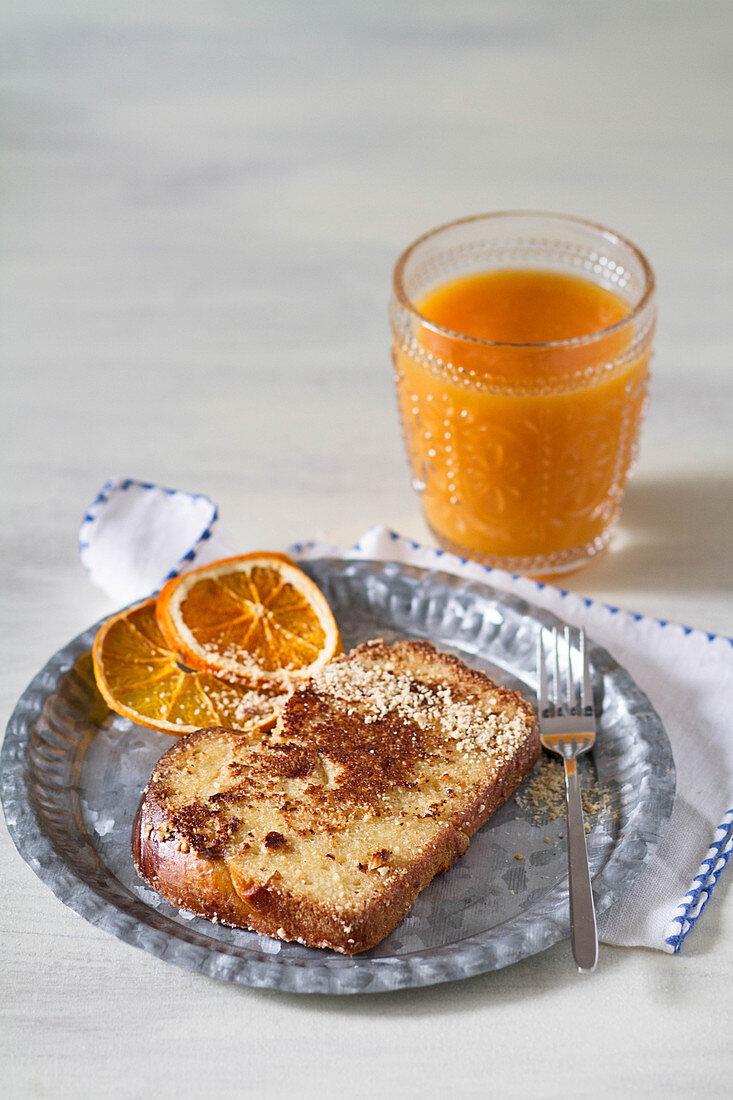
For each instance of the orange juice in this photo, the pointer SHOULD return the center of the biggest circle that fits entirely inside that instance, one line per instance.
(521, 394)
(522, 306)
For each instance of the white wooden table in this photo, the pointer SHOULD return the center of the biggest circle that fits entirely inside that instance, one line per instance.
(203, 205)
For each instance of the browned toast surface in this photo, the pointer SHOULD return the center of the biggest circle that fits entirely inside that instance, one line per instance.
(380, 769)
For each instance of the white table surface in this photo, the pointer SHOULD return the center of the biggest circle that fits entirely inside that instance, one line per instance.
(203, 203)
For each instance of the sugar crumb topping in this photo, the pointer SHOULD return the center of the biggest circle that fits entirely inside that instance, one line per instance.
(474, 721)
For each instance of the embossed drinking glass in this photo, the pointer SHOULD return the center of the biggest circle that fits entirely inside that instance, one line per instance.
(521, 451)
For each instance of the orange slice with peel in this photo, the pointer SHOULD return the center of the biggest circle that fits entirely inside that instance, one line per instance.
(141, 678)
(256, 617)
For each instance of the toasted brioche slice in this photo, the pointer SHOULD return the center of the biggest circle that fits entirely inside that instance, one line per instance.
(380, 769)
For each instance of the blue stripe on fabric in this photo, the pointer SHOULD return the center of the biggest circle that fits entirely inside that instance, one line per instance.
(90, 515)
(695, 900)
(191, 554)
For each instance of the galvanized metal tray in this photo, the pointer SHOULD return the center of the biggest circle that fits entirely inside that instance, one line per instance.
(72, 775)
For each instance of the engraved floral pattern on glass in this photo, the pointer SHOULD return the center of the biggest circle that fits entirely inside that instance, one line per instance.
(521, 453)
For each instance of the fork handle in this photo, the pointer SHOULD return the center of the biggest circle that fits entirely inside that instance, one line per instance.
(583, 932)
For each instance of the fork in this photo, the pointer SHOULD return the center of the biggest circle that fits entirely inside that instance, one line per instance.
(567, 727)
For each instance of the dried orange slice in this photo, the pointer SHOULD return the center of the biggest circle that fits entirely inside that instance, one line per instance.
(141, 677)
(256, 617)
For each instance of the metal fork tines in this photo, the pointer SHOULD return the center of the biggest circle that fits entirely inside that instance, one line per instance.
(567, 727)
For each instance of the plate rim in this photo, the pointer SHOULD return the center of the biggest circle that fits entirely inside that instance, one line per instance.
(333, 974)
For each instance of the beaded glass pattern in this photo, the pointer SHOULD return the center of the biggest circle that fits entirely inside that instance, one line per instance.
(467, 451)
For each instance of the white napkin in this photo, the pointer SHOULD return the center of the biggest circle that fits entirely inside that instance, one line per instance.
(134, 536)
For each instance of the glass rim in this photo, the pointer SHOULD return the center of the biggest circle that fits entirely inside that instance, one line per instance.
(597, 334)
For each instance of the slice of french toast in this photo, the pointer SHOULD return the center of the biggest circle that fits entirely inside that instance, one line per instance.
(380, 769)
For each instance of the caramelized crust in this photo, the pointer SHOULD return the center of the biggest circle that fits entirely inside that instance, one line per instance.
(380, 769)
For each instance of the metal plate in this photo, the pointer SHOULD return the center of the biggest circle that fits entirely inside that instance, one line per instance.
(72, 778)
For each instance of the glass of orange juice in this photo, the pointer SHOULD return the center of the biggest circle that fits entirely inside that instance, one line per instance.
(521, 351)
